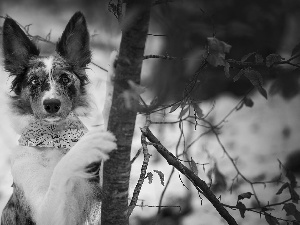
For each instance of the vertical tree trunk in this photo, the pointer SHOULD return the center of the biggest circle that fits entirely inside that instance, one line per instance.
(116, 172)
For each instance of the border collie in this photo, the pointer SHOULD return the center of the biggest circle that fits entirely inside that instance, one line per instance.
(55, 167)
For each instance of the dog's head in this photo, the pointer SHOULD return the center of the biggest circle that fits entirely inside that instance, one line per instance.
(48, 87)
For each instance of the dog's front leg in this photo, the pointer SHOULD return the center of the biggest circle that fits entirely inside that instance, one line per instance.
(67, 196)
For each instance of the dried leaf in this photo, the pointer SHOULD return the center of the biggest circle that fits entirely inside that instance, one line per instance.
(184, 111)
(198, 110)
(245, 195)
(294, 195)
(194, 167)
(245, 57)
(174, 107)
(296, 49)
(291, 210)
(271, 220)
(248, 102)
(239, 74)
(256, 79)
(161, 176)
(259, 58)
(284, 186)
(150, 177)
(242, 208)
(272, 58)
(217, 50)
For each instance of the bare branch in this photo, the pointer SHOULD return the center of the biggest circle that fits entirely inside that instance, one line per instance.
(172, 160)
(142, 177)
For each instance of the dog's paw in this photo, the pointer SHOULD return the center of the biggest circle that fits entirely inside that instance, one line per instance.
(93, 147)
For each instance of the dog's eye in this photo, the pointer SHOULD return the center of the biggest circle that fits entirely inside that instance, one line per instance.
(65, 79)
(35, 81)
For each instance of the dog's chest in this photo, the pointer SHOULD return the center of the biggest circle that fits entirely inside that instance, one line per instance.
(33, 166)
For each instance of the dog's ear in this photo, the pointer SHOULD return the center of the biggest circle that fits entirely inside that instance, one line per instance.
(17, 47)
(74, 42)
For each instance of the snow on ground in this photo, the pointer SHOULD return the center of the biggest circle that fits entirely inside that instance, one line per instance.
(253, 135)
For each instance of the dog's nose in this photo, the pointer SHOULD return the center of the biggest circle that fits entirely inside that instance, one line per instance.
(51, 105)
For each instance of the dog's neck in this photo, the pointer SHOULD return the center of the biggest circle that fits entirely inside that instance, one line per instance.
(57, 135)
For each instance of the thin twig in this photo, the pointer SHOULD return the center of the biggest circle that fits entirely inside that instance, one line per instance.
(172, 160)
(143, 173)
(136, 155)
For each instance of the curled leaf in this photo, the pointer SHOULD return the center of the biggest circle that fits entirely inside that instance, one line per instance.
(217, 50)
(161, 176)
(239, 74)
(184, 111)
(150, 177)
(248, 102)
(284, 186)
(198, 110)
(272, 58)
(259, 58)
(194, 167)
(291, 210)
(294, 195)
(242, 208)
(174, 107)
(245, 195)
(245, 57)
(256, 79)
(271, 220)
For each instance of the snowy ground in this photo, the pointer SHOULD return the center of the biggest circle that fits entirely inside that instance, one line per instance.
(254, 135)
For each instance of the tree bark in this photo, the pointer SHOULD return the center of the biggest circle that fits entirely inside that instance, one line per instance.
(116, 172)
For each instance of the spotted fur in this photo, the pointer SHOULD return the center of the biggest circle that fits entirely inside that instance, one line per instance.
(55, 167)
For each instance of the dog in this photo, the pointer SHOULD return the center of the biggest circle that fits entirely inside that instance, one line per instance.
(55, 167)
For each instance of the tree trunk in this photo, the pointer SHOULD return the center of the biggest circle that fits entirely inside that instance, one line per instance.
(116, 172)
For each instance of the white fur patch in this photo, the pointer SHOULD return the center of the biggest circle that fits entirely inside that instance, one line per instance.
(51, 93)
(48, 62)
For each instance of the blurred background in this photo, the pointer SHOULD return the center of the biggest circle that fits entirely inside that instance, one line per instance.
(257, 136)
